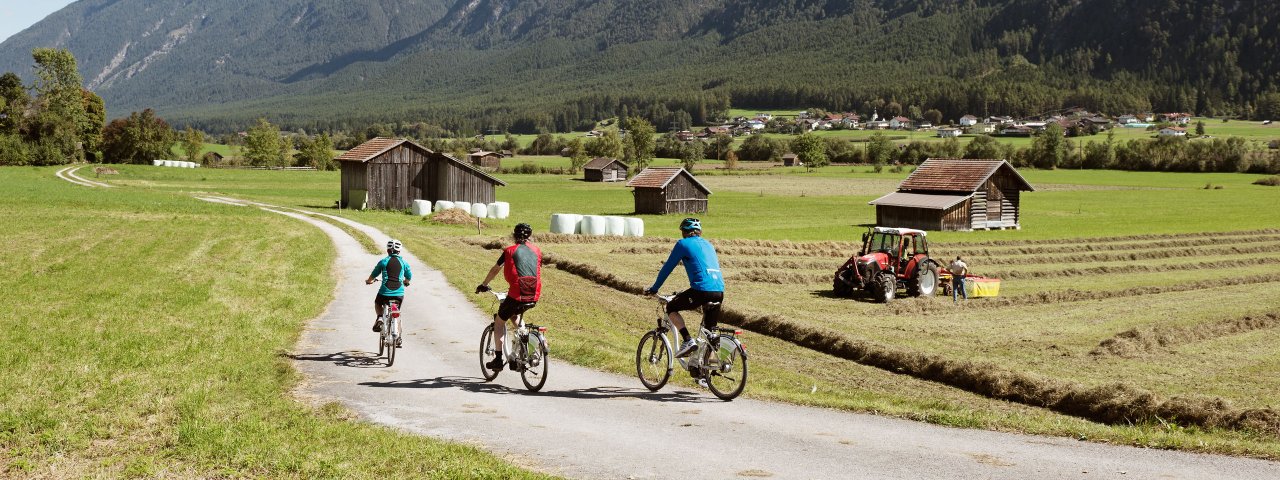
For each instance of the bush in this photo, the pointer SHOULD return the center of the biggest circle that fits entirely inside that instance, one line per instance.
(1272, 181)
(12, 150)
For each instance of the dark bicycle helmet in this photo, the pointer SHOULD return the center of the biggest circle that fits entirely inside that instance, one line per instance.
(522, 231)
(690, 224)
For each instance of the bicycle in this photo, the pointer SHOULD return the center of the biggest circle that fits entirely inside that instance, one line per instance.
(720, 361)
(389, 335)
(527, 356)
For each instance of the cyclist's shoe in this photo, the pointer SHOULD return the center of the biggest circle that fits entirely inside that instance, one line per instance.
(702, 382)
(495, 364)
(514, 366)
(686, 348)
(399, 342)
(377, 325)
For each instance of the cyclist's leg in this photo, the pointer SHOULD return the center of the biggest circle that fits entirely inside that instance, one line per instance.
(682, 301)
(711, 309)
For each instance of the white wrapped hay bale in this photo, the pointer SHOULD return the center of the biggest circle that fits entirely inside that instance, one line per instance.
(421, 207)
(616, 226)
(499, 210)
(464, 206)
(157, 163)
(479, 210)
(566, 223)
(188, 164)
(443, 205)
(594, 225)
(635, 227)
(166, 163)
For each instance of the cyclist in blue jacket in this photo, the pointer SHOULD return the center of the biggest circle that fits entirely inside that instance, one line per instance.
(395, 276)
(706, 284)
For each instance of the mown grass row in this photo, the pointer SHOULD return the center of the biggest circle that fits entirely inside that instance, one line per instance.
(1135, 342)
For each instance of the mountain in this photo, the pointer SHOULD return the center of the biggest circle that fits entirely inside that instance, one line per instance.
(526, 65)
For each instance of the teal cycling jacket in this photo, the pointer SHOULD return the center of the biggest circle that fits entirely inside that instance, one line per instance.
(404, 275)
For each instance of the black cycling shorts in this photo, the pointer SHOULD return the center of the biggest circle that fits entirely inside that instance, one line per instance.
(510, 308)
(381, 300)
(691, 299)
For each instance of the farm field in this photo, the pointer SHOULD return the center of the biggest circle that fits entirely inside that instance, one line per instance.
(1136, 308)
(147, 333)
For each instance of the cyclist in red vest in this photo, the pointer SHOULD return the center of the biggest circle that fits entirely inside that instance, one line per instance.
(521, 265)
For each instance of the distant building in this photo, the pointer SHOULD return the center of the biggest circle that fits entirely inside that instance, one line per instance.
(390, 173)
(663, 190)
(604, 169)
(898, 123)
(968, 120)
(948, 132)
(955, 194)
(1127, 119)
(486, 159)
(1173, 132)
(791, 160)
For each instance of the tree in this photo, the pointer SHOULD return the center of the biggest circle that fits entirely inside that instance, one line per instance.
(315, 152)
(933, 116)
(810, 150)
(1200, 128)
(720, 144)
(608, 144)
(640, 143)
(1049, 148)
(140, 138)
(758, 147)
(14, 105)
(192, 144)
(692, 153)
(90, 124)
(263, 146)
(577, 155)
(983, 146)
(880, 149)
(59, 91)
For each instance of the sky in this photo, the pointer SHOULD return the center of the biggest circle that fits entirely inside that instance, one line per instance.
(17, 15)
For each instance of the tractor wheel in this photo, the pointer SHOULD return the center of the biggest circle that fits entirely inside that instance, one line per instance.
(925, 282)
(886, 287)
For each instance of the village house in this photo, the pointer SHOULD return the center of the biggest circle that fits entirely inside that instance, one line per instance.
(717, 130)
(968, 121)
(948, 132)
(955, 194)
(981, 128)
(878, 125)
(899, 123)
(1127, 119)
(1016, 131)
(1173, 132)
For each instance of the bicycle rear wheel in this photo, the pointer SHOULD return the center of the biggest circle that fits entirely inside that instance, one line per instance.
(726, 369)
(653, 360)
(486, 352)
(382, 343)
(534, 374)
(389, 341)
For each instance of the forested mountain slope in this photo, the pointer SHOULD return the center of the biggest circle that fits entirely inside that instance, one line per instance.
(526, 65)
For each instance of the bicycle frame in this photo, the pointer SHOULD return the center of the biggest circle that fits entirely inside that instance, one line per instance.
(694, 359)
(520, 329)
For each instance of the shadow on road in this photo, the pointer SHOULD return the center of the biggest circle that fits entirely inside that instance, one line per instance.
(351, 359)
(476, 385)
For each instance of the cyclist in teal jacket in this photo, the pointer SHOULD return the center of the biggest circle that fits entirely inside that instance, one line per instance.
(706, 284)
(395, 276)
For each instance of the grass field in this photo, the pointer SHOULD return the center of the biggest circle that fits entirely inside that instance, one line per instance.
(1136, 308)
(145, 335)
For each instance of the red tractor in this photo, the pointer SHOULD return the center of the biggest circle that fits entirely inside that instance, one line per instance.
(891, 258)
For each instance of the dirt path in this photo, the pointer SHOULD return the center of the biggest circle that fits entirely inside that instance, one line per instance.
(589, 424)
(69, 174)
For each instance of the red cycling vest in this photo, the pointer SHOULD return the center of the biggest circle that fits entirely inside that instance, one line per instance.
(522, 267)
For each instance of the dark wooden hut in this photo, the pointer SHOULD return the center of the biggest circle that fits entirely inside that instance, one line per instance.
(485, 159)
(662, 190)
(213, 158)
(605, 169)
(955, 194)
(390, 173)
(790, 160)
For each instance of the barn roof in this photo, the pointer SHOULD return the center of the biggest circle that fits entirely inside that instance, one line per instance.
(957, 175)
(659, 177)
(601, 162)
(371, 149)
(920, 200)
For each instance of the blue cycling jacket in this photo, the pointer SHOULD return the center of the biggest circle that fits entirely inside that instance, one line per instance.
(404, 275)
(700, 263)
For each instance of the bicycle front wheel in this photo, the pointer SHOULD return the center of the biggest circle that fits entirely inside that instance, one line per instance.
(726, 369)
(534, 374)
(486, 352)
(389, 341)
(653, 360)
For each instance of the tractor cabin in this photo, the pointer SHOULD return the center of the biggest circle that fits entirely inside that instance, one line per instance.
(604, 169)
(390, 173)
(663, 190)
(956, 194)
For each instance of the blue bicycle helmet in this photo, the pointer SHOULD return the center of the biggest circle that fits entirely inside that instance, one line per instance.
(690, 224)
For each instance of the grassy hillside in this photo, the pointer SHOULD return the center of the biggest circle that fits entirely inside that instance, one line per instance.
(144, 334)
(1123, 290)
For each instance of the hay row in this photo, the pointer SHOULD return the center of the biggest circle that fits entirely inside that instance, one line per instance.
(780, 278)
(1151, 246)
(1127, 257)
(1115, 403)
(1073, 295)
(1119, 239)
(1132, 268)
(1134, 342)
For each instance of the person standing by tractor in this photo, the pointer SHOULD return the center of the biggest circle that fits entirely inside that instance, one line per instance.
(958, 271)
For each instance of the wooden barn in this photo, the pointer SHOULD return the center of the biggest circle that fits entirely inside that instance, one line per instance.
(487, 160)
(605, 169)
(390, 173)
(663, 190)
(790, 160)
(956, 194)
(213, 158)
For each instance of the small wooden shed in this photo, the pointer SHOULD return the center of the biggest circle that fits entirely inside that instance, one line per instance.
(790, 160)
(605, 169)
(485, 159)
(213, 158)
(956, 194)
(663, 190)
(390, 173)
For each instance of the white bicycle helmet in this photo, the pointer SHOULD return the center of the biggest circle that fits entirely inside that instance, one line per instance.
(394, 246)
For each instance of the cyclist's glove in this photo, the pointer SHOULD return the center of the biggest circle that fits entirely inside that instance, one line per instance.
(482, 288)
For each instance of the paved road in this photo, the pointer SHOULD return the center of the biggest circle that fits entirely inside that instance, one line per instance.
(589, 424)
